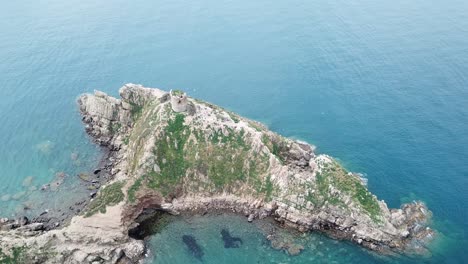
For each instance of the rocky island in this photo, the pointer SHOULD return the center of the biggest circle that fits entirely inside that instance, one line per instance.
(167, 152)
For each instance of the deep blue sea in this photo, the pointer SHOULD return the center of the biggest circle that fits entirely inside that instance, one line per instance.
(381, 85)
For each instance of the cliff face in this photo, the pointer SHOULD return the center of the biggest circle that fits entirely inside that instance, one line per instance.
(209, 158)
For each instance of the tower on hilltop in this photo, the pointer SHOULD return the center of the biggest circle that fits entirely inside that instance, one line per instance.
(178, 101)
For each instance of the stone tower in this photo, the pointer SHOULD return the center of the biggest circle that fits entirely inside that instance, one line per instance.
(178, 101)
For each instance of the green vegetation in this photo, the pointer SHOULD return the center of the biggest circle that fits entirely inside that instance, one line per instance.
(30, 254)
(276, 144)
(136, 111)
(232, 138)
(311, 196)
(126, 140)
(108, 196)
(323, 182)
(226, 158)
(143, 127)
(268, 189)
(233, 116)
(133, 189)
(257, 126)
(169, 152)
(114, 127)
(223, 166)
(17, 256)
(367, 200)
(177, 92)
(221, 154)
(336, 176)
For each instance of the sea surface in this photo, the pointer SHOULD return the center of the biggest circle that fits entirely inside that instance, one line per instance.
(380, 85)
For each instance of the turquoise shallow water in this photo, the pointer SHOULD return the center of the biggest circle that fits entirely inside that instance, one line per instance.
(383, 86)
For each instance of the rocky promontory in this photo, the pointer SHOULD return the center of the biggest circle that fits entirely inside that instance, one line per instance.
(173, 153)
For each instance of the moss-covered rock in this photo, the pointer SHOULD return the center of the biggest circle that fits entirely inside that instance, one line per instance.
(109, 195)
(333, 182)
(17, 255)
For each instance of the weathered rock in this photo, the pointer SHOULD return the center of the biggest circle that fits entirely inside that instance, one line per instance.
(295, 249)
(93, 194)
(251, 217)
(22, 221)
(32, 227)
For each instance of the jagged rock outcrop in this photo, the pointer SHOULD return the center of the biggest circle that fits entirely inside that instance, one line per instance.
(207, 158)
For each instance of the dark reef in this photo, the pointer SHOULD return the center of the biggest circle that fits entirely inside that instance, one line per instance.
(192, 245)
(230, 241)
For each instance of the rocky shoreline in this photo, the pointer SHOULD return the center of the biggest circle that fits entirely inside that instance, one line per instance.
(168, 152)
(50, 219)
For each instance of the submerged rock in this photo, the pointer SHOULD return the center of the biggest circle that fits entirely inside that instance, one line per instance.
(28, 205)
(74, 156)
(45, 147)
(230, 241)
(18, 195)
(288, 245)
(58, 181)
(5, 198)
(193, 247)
(84, 176)
(27, 182)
